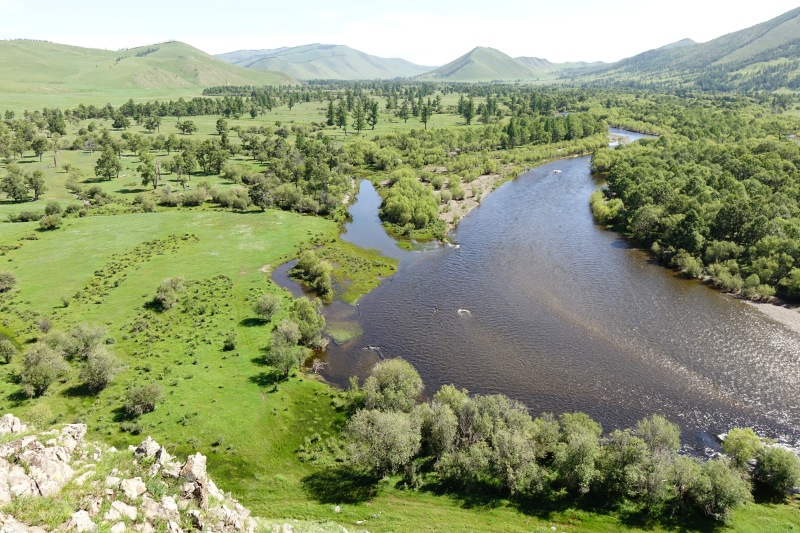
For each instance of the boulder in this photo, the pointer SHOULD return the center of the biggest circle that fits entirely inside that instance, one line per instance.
(80, 521)
(147, 448)
(119, 527)
(11, 424)
(133, 488)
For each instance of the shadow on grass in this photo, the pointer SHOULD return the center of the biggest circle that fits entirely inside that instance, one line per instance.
(17, 398)
(268, 379)
(340, 485)
(253, 322)
(78, 391)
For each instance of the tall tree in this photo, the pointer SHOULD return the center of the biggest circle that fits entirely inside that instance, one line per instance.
(372, 116)
(108, 164)
(35, 181)
(341, 116)
(359, 116)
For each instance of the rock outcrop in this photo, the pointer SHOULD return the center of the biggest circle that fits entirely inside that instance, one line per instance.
(143, 489)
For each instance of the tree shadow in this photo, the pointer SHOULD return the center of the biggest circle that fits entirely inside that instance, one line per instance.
(121, 415)
(17, 398)
(267, 379)
(78, 391)
(253, 322)
(340, 485)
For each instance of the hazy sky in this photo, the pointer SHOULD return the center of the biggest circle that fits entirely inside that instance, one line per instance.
(429, 32)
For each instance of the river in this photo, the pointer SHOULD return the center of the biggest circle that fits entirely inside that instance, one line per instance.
(541, 304)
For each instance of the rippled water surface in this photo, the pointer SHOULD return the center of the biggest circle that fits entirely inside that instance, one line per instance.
(563, 315)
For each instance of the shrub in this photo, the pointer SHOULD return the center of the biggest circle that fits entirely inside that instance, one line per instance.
(777, 469)
(42, 366)
(141, 400)
(53, 208)
(50, 222)
(266, 306)
(7, 350)
(100, 368)
(167, 293)
(7, 281)
(382, 442)
(394, 385)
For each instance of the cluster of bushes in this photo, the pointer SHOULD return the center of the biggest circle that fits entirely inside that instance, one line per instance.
(314, 273)
(293, 336)
(47, 361)
(489, 442)
(408, 203)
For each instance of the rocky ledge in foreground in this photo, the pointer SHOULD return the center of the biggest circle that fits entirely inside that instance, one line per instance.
(56, 481)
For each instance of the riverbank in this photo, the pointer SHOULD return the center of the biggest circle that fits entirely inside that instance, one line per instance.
(785, 314)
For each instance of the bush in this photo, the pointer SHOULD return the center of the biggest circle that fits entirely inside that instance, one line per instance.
(777, 469)
(53, 208)
(141, 400)
(194, 198)
(50, 222)
(42, 366)
(7, 350)
(100, 368)
(7, 281)
(720, 489)
(394, 385)
(167, 293)
(742, 445)
(267, 305)
(382, 442)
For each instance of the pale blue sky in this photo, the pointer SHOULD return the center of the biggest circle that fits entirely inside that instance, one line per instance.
(428, 32)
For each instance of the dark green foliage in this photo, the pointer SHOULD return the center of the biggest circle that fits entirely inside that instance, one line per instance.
(394, 385)
(308, 316)
(777, 468)
(382, 441)
(7, 350)
(141, 400)
(314, 273)
(409, 202)
(42, 366)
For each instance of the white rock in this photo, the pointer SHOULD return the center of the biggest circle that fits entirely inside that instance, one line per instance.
(125, 510)
(112, 481)
(147, 448)
(80, 521)
(133, 488)
(11, 424)
(119, 527)
(173, 527)
(337, 509)
(80, 480)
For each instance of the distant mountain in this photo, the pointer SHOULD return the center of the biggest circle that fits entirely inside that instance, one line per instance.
(489, 64)
(38, 66)
(762, 57)
(324, 61)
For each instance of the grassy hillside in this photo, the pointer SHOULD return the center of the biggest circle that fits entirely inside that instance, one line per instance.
(763, 57)
(35, 74)
(324, 61)
(484, 64)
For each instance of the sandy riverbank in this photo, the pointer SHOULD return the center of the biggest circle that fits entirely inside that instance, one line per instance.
(787, 315)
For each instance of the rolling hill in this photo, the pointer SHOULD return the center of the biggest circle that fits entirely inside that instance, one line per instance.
(324, 61)
(763, 57)
(56, 74)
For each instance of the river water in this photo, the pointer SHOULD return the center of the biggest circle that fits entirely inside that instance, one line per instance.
(539, 303)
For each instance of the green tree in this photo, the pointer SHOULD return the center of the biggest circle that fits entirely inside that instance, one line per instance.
(341, 116)
(35, 181)
(308, 315)
(152, 123)
(7, 350)
(42, 366)
(661, 435)
(742, 445)
(469, 110)
(39, 145)
(147, 170)
(720, 490)
(359, 116)
(284, 353)
(394, 385)
(143, 399)
(266, 306)
(13, 184)
(187, 127)
(108, 164)
(222, 126)
(372, 113)
(777, 468)
(425, 114)
(403, 112)
(99, 369)
(331, 114)
(382, 441)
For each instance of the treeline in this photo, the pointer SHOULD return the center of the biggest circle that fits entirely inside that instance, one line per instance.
(492, 445)
(718, 199)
